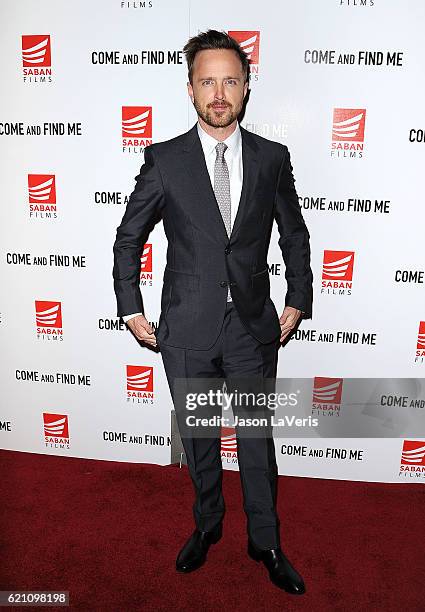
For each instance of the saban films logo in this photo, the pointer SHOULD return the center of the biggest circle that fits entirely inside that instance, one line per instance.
(249, 40)
(56, 431)
(146, 265)
(348, 132)
(412, 463)
(42, 196)
(136, 128)
(337, 272)
(48, 318)
(327, 394)
(36, 58)
(420, 344)
(140, 384)
(229, 448)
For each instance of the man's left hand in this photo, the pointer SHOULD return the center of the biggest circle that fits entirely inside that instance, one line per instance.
(288, 321)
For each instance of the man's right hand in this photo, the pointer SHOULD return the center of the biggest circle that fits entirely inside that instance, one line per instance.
(142, 330)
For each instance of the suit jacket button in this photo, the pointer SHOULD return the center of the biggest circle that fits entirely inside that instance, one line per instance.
(223, 284)
(227, 250)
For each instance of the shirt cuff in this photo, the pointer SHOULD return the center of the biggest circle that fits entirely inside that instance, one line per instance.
(126, 318)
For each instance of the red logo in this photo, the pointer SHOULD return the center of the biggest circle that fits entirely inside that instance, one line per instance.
(327, 390)
(348, 124)
(137, 122)
(228, 440)
(249, 40)
(36, 51)
(56, 425)
(146, 258)
(140, 378)
(421, 336)
(413, 452)
(420, 343)
(229, 448)
(48, 314)
(41, 188)
(338, 265)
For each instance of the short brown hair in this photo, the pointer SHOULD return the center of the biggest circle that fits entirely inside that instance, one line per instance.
(213, 39)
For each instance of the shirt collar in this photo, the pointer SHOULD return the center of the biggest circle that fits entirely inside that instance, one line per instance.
(209, 142)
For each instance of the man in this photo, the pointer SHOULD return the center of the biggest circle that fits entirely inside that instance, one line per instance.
(218, 189)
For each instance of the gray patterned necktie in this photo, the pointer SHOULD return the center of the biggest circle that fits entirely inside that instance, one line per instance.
(222, 191)
(222, 185)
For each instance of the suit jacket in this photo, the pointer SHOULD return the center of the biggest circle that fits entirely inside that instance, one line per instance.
(202, 260)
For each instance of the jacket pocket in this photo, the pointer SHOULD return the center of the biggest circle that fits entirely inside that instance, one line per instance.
(185, 290)
(259, 273)
(260, 282)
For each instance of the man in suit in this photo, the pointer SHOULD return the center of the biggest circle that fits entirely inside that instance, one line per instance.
(218, 189)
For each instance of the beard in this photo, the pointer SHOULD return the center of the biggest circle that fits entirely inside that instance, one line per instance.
(216, 118)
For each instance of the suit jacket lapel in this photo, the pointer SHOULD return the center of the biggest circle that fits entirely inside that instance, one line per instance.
(251, 167)
(197, 168)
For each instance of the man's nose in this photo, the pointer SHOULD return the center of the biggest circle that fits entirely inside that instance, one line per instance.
(219, 92)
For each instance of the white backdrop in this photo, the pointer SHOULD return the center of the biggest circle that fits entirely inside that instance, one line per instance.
(64, 373)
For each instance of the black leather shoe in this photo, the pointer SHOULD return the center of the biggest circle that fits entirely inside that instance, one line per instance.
(281, 572)
(194, 552)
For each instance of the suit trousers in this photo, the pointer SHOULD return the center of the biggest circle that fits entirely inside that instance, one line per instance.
(236, 353)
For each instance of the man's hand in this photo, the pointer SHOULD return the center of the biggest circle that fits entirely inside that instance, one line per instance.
(142, 330)
(288, 321)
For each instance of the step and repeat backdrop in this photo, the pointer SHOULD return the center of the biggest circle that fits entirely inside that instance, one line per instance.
(86, 87)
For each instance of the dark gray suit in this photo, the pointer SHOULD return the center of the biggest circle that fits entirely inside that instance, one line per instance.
(200, 334)
(201, 259)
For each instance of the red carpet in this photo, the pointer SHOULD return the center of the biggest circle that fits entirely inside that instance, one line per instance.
(109, 533)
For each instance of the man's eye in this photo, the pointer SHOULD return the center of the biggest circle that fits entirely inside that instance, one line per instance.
(206, 82)
(231, 81)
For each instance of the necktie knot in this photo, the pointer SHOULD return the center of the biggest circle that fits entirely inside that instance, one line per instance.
(220, 148)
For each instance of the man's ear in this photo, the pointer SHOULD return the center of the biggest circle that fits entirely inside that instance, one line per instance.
(190, 90)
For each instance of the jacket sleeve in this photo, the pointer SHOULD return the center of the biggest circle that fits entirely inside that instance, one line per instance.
(142, 212)
(294, 241)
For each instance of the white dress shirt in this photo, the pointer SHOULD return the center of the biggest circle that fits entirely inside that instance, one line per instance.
(233, 157)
